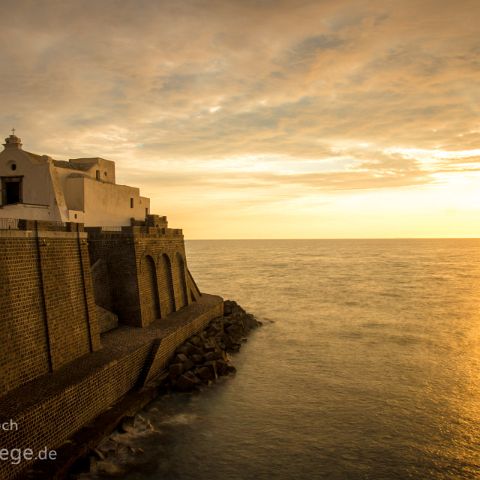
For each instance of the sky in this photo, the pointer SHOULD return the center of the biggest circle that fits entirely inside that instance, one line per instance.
(260, 119)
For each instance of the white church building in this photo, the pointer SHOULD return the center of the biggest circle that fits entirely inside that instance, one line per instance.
(83, 190)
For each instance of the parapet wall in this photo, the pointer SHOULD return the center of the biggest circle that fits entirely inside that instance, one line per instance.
(47, 309)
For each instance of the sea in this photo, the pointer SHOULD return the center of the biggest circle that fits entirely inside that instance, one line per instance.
(367, 366)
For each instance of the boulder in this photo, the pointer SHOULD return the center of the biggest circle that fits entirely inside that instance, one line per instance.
(180, 358)
(186, 349)
(186, 382)
(175, 370)
(184, 360)
(227, 308)
(196, 340)
(110, 469)
(107, 445)
(98, 454)
(205, 374)
(210, 345)
(215, 355)
(235, 331)
(197, 359)
(232, 347)
(212, 364)
(214, 330)
(128, 425)
(222, 367)
(196, 350)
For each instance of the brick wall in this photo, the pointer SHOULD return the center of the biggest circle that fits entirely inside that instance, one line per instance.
(116, 250)
(168, 254)
(58, 406)
(101, 282)
(147, 272)
(50, 422)
(47, 309)
(24, 350)
(69, 299)
(165, 284)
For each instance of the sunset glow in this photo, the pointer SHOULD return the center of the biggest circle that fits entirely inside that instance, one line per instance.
(261, 119)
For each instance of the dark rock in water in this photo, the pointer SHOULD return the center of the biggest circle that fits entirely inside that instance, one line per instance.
(209, 356)
(234, 347)
(227, 308)
(212, 364)
(214, 329)
(98, 454)
(181, 358)
(175, 370)
(108, 468)
(186, 349)
(205, 374)
(196, 340)
(210, 345)
(196, 350)
(203, 357)
(231, 346)
(186, 382)
(197, 359)
(184, 360)
(250, 321)
(235, 331)
(222, 367)
(128, 425)
(107, 446)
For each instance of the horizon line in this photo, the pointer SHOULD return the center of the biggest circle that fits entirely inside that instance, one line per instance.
(340, 238)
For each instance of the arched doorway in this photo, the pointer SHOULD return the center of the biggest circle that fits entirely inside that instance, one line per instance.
(151, 304)
(165, 280)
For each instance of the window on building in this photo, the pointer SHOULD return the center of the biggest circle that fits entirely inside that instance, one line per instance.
(98, 174)
(11, 190)
(146, 211)
(131, 203)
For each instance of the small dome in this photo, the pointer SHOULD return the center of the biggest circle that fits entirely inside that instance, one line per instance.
(13, 141)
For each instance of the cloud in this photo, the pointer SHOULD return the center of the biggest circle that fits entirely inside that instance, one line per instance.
(150, 82)
(307, 50)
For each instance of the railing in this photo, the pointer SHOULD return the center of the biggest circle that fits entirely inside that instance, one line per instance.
(9, 223)
(114, 228)
(140, 229)
(22, 224)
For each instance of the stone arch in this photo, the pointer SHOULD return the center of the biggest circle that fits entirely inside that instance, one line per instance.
(182, 281)
(149, 288)
(167, 296)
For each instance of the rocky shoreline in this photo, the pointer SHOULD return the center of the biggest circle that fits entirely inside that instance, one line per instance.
(197, 363)
(206, 356)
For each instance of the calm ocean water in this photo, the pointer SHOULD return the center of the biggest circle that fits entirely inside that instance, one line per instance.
(370, 368)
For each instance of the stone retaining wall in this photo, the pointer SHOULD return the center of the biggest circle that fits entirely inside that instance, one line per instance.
(71, 401)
